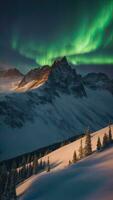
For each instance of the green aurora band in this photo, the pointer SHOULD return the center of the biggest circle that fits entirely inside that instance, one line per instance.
(87, 42)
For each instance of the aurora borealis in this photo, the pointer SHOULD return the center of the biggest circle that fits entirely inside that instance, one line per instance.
(45, 30)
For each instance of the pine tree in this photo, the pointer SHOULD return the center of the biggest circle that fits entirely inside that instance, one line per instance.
(88, 147)
(14, 165)
(110, 135)
(105, 140)
(41, 165)
(23, 172)
(35, 164)
(74, 157)
(81, 152)
(70, 162)
(18, 176)
(23, 160)
(3, 179)
(12, 185)
(48, 165)
(9, 192)
(28, 158)
(99, 145)
(30, 170)
(6, 190)
(4, 183)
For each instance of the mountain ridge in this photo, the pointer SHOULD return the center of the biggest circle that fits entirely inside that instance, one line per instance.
(63, 70)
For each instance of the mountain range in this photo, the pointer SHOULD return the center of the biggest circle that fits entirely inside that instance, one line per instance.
(51, 104)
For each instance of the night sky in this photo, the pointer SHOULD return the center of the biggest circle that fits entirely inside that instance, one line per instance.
(36, 32)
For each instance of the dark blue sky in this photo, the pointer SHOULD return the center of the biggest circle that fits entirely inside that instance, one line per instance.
(35, 32)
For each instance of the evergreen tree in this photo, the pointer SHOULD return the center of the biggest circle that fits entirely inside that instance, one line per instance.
(23, 160)
(23, 172)
(4, 182)
(14, 165)
(9, 192)
(30, 170)
(105, 140)
(110, 135)
(88, 147)
(12, 185)
(74, 157)
(3, 179)
(48, 165)
(18, 176)
(28, 158)
(44, 164)
(99, 145)
(6, 190)
(70, 162)
(35, 164)
(41, 165)
(81, 152)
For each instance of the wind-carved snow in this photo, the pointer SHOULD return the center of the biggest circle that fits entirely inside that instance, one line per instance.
(89, 179)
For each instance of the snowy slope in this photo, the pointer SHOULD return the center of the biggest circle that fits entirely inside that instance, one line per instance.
(44, 124)
(64, 154)
(89, 179)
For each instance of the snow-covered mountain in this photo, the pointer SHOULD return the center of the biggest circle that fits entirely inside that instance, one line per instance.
(63, 106)
(89, 179)
(99, 81)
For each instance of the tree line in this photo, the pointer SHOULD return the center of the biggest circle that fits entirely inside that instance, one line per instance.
(10, 178)
(87, 149)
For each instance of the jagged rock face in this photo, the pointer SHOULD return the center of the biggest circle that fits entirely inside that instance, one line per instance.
(39, 75)
(65, 79)
(34, 79)
(60, 72)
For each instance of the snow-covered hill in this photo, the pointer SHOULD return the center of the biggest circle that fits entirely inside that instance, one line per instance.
(89, 179)
(62, 107)
(64, 154)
